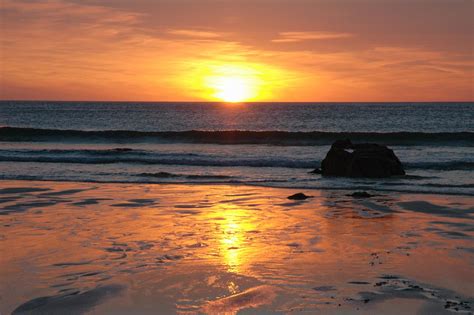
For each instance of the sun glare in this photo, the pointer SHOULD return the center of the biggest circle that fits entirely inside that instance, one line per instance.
(233, 89)
(234, 83)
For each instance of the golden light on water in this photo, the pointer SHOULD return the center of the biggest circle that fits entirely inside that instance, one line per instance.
(233, 240)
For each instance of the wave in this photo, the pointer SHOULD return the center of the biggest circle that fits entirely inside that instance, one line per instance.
(166, 159)
(284, 138)
(450, 186)
(192, 177)
(442, 166)
(136, 156)
(190, 159)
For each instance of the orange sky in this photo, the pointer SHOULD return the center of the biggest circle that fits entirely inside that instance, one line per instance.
(278, 50)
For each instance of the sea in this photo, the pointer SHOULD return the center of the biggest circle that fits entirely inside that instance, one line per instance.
(264, 144)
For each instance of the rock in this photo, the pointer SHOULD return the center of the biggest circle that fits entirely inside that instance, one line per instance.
(316, 171)
(346, 143)
(361, 194)
(361, 160)
(299, 196)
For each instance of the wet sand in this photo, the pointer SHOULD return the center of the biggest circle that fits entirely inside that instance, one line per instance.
(91, 248)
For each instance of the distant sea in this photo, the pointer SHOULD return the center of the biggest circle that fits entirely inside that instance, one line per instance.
(267, 144)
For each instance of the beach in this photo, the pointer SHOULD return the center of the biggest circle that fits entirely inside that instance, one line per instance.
(111, 248)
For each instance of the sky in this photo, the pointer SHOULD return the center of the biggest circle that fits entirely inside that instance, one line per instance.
(237, 50)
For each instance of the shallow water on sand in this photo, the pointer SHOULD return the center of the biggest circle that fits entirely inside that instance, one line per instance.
(145, 249)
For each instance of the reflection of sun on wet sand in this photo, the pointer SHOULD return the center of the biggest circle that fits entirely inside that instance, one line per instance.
(109, 248)
(250, 298)
(232, 231)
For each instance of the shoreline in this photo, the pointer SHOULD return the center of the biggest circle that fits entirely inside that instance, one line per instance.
(249, 185)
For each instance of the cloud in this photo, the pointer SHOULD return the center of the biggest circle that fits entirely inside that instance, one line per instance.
(293, 37)
(192, 33)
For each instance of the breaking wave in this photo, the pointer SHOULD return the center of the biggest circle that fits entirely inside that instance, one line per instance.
(230, 137)
(133, 156)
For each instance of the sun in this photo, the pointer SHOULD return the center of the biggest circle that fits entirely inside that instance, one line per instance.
(233, 89)
(233, 83)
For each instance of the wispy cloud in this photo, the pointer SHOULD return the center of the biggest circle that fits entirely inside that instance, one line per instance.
(192, 33)
(292, 37)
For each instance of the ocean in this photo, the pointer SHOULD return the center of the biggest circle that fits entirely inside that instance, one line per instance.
(264, 144)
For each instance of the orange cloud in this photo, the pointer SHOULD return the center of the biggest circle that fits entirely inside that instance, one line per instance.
(291, 37)
(195, 33)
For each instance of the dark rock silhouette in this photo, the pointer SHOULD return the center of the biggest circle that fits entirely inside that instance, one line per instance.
(360, 160)
(361, 194)
(299, 196)
(316, 171)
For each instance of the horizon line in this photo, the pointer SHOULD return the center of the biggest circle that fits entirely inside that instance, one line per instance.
(229, 103)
